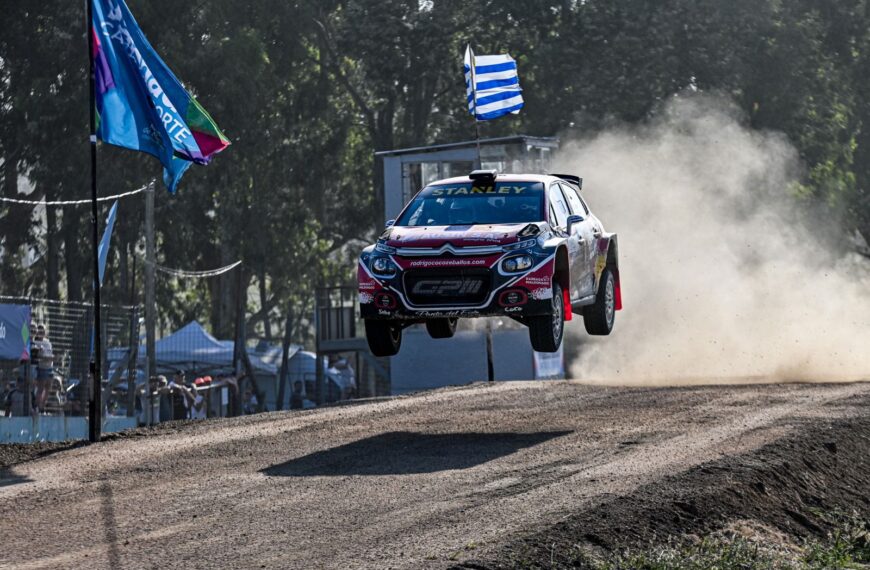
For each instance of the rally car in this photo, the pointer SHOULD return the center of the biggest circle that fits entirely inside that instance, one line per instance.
(523, 246)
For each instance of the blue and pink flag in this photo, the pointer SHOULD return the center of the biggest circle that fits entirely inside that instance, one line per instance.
(141, 105)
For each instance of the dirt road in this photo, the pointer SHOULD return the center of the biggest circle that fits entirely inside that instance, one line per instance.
(416, 482)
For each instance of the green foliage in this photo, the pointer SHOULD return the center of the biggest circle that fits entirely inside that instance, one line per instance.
(307, 91)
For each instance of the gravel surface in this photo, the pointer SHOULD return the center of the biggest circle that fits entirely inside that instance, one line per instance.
(427, 481)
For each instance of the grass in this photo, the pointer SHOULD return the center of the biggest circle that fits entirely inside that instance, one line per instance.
(848, 547)
(742, 546)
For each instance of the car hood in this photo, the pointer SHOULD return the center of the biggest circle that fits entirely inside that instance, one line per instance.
(457, 236)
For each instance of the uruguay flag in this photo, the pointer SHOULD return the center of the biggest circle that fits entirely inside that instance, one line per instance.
(141, 105)
(492, 85)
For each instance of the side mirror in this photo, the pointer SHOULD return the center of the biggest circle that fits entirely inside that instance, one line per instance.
(390, 223)
(573, 219)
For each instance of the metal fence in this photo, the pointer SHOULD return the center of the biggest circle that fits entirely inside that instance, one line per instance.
(57, 381)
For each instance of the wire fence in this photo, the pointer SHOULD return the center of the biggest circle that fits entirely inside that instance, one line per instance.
(190, 374)
(56, 380)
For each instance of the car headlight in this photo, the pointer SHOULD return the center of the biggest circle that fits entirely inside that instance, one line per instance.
(525, 244)
(517, 263)
(384, 248)
(383, 266)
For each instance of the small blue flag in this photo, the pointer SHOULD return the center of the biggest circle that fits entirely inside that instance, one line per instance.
(103, 251)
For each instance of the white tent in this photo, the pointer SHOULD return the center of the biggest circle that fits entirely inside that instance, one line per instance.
(193, 348)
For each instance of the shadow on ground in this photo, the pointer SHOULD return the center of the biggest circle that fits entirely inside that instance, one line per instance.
(403, 453)
(7, 479)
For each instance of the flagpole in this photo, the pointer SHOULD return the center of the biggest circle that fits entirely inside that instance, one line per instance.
(96, 405)
(490, 368)
(474, 99)
(477, 131)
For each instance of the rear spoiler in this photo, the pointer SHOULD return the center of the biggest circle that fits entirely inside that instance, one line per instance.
(575, 180)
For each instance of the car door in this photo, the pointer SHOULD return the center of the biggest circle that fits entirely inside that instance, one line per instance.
(585, 232)
(560, 208)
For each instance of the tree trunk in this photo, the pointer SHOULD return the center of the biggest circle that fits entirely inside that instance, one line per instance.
(15, 227)
(264, 300)
(73, 262)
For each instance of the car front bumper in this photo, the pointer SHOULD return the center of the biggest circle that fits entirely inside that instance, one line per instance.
(455, 287)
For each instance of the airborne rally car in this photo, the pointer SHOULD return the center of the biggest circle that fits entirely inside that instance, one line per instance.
(517, 245)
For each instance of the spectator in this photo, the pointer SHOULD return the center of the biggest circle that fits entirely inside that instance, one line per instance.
(148, 396)
(76, 398)
(164, 392)
(5, 386)
(195, 403)
(249, 402)
(179, 401)
(44, 365)
(15, 403)
(296, 396)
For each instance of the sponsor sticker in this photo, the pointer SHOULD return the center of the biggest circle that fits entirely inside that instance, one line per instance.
(537, 280)
(447, 287)
(502, 189)
(446, 314)
(541, 294)
(448, 263)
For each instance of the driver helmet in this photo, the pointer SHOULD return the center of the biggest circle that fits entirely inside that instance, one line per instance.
(461, 212)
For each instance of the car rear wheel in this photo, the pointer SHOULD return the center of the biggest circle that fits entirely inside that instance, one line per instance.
(546, 331)
(441, 328)
(599, 316)
(384, 337)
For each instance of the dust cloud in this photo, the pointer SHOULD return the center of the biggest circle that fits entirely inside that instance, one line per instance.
(720, 281)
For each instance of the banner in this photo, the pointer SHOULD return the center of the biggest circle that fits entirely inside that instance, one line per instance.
(141, 105)
(14, 332)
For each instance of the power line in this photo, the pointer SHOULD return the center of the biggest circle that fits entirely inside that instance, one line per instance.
(70, 202)
(195, 274)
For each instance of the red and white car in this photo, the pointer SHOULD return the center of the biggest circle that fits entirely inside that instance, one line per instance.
(524, 246)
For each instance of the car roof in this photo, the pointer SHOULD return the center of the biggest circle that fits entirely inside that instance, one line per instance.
(501, 178)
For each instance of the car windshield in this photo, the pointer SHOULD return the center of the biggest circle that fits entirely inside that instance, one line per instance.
(466, 203)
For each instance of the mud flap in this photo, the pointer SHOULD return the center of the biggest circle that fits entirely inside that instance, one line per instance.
(566, 297)
(617, 290)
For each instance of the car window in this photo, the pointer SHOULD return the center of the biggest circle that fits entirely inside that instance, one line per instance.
(467, 203)
(560, 208)
(577, 205)
(582, 201)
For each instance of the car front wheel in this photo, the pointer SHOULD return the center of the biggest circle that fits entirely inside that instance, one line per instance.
(545, 331)
(384, 337)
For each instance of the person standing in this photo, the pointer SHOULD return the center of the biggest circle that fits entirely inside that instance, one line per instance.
(14, 404)
(44, 366)
(195, 403)
(179, 401)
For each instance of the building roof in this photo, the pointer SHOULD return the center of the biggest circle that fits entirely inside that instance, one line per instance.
(549, 142)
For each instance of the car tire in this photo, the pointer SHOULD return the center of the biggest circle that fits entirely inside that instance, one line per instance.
(599, 316)
(384, 337)
(441, 328)
(546, 331)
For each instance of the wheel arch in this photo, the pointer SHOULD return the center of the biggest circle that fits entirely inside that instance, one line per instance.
(562, 268)
(612, 263)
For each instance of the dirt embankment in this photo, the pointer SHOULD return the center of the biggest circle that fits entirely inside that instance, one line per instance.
(797, 486)
(486, 476)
